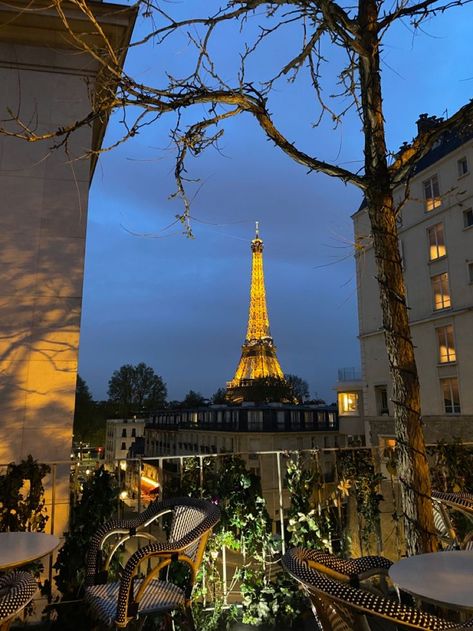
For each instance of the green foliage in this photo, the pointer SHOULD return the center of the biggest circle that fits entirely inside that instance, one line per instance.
(269, 390)
(358, 477)
(271, 602)
(97, 504)
(299, 387)
(89, 416)
(193, 400)
(312, 523)
(22, 505)
(220, 396)
(452, 470)
(136, 389)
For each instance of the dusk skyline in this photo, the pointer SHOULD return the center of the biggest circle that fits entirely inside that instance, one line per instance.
(181, 305)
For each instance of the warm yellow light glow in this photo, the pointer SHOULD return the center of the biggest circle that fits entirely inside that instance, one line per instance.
(348, 402)
(148, 480)
(123, 495)
(258, 357)
(123, 465)
(390, 442)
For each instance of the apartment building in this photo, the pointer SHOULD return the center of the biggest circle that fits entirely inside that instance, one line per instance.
(436, 243)
(120, 435)
(248, 430)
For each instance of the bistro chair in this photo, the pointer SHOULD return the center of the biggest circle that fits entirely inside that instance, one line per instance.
(136, 596)
(340, 603)
(16, 591)
(460, 503)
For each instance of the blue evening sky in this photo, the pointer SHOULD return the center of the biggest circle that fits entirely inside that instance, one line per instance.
(181, 305)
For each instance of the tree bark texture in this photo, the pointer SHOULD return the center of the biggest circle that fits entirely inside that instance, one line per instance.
(413, 468)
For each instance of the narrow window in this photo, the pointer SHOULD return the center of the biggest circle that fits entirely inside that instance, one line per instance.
(470, 272)
(446, 344)
(468, 217)
(123, 446)
(437, 247)
(432, 193)
(381, 394)
(133, 433)
(124, 432)
(462, 165)
(451, 396)
(441, 291)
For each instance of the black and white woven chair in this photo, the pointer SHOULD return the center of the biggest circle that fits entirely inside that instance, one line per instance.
(340, 604)
(16, 591)
(117, 603)
(444, 504)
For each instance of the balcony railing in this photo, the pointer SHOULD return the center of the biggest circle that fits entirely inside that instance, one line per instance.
(352, 493)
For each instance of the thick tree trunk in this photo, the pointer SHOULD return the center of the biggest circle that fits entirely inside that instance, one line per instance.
(413, 468)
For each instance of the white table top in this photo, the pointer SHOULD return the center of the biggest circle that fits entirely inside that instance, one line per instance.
(444, 578)
(18, 548)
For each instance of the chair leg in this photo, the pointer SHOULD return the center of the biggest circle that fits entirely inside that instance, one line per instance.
(189, 618)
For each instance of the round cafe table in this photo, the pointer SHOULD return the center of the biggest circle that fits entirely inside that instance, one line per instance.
(442, 578)
(18, 548)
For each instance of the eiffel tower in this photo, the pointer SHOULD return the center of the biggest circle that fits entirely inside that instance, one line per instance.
(258, 353)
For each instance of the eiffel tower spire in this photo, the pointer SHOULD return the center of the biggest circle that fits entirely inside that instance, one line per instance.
(258, 353)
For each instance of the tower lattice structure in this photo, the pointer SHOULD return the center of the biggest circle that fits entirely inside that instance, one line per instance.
(258, 353)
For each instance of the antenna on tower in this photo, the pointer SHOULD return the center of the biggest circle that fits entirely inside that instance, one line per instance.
(257, 229)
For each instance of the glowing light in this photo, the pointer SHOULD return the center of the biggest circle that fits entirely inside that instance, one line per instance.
(258, 357)
(123, 495)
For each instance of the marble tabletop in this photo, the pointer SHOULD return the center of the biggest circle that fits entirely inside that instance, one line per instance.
(18, 548)
(444, 578)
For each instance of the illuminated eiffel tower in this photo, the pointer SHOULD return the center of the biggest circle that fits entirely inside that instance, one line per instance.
(258, 353)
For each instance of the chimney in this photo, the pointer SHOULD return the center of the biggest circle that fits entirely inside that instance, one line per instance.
(426, 122)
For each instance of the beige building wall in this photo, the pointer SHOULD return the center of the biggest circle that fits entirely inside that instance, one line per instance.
(46, 84)
(455, 197)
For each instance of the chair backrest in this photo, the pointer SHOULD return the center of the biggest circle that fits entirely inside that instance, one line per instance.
(17, 588)
(444, 503)
(190, 516)
(345, 607)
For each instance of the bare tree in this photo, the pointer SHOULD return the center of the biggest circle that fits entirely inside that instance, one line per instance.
(312, 28)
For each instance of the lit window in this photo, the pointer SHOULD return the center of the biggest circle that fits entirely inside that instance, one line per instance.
(348, 403)
(446, 344)
(432, 193)
(462, 165)
(468, 217)
(470, 272)
(441, 291)
(451, 396)
(437, 247)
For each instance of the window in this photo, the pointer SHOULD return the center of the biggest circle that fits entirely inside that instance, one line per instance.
(123, 446)
(124, 432)
(441, 291)
(451, 396)
(462, 166)
(133, 433)
(381, 395)
(468, 217)
(446, 344)
(437, 247)
(470, 272)
(348, 403)
(432, 193)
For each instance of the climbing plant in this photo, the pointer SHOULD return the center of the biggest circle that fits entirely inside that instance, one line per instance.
(22, 502)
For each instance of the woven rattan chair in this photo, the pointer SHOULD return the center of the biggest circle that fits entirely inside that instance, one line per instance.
(16, 591)
(444, 503)
(117, 603)
(340, 604)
